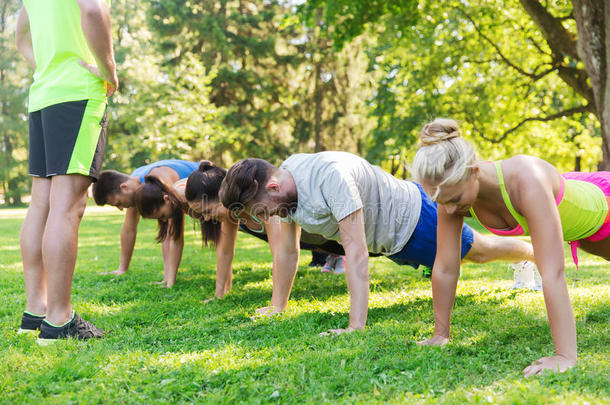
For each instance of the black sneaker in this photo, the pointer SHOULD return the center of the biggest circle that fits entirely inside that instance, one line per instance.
(77, 328)
(30, 323)
(317, 259)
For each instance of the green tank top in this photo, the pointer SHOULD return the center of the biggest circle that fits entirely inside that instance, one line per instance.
(58, 42)
(582, 209)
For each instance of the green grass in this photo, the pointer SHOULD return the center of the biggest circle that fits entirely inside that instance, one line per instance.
(167, 346)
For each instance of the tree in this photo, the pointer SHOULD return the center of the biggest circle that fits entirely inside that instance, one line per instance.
(14, 85)
(541, 50)
(161, 110)
(283, 88)
(591, 47)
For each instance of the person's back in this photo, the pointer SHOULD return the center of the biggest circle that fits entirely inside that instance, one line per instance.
(59, 44)
(182, 167)
(332, 185)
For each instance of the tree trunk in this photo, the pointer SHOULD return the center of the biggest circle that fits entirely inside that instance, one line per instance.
(594, 50)
(318, 98)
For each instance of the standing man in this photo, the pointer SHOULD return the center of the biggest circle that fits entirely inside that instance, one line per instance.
(69, 44)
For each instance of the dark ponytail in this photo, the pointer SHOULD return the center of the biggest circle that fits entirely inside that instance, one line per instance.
(149, 199)
(203, 186)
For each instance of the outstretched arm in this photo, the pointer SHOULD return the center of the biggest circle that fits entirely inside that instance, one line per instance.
(23, 37)
(95, 22)
(353, 239)
(284, 244)
(172, 254)
(537, 204)
(445, 274)
(129, 232)
(225, 252)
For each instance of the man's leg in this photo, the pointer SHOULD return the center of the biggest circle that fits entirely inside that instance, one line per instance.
(31, 247)
(487, 248)
(68, 198)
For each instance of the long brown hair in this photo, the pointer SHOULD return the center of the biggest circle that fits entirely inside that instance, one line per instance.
(150, 198)
(203, 186)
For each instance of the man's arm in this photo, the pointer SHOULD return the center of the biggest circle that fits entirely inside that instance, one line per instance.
(95, 22)
(284, 240)
(23, 38)
(129, 232)
(353, 239)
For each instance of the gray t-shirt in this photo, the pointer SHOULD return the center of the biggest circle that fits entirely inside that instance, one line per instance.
(332, 185)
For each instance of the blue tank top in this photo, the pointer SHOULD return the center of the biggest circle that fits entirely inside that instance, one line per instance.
(182, 167)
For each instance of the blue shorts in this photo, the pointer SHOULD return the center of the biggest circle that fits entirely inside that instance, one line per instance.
(421, 247)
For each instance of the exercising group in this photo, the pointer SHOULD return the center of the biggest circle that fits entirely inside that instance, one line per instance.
(330, 202)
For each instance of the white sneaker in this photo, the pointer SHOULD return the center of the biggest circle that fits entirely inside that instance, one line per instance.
(523, 275)
(340, 265)
(537, 284)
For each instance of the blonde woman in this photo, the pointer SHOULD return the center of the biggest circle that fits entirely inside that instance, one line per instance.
(522, 195)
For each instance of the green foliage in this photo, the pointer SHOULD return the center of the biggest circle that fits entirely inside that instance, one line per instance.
(228, 79)
(161, 111)
(344, 20)
(474, 61)
(282, 85)
(166, 346)
(14, 85)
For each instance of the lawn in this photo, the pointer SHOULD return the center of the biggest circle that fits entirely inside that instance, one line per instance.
(167, 346)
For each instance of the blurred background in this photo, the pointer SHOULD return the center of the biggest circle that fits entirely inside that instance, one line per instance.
(223, 80)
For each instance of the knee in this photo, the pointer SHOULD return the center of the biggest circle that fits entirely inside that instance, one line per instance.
(72, 210)
(476, 256)
(479, 250)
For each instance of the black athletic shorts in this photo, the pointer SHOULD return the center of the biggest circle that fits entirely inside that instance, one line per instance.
(68, 138)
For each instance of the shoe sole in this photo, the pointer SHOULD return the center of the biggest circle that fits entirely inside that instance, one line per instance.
(31, 332)
(46, 342)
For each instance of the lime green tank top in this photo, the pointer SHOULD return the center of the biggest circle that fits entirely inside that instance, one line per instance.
(582, 209)
(58, 42)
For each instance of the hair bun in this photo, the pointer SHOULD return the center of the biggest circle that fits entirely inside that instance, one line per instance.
(205, 165)
(439, 130)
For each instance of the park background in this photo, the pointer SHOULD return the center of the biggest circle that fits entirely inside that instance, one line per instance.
(223, 80)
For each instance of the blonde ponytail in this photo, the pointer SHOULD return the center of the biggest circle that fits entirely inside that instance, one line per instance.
(444, 158)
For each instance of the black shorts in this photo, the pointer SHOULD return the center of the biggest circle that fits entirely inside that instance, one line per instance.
(68, 138)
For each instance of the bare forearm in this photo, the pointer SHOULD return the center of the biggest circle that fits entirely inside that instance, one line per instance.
(284, 270)
(173, 260)
(95, 21)
(128, 242)
(23, 38)
(358, 284)
(561, 317)
(443, 295)
(25, 48)
(224, 272)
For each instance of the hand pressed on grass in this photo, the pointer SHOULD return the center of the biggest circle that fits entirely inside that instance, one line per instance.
(336, 332)
(436, 340)
(265, 312)
(162, 283)
(553, 363)
(117, 272)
